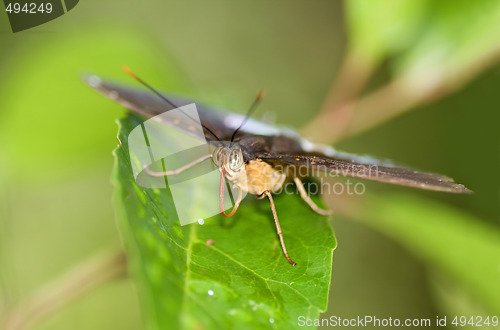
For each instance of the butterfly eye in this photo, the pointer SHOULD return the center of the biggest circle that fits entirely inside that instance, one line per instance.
(217, 156)
(235, 160)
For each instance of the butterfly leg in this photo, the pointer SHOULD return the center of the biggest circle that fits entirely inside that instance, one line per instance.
(278, 227)
(308, 200)
(179, 170)
(221, 197)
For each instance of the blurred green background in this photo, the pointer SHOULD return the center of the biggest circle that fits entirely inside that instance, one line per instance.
(57, 136)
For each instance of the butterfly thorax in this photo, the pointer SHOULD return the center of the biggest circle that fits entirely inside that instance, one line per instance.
(261, 176)
(254, 176)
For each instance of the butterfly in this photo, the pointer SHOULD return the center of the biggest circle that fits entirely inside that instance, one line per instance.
(259, 158)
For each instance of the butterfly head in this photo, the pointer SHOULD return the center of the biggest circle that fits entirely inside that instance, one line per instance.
(229, 158)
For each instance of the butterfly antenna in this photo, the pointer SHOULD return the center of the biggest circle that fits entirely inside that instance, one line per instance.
(258, 98)
(148, 86)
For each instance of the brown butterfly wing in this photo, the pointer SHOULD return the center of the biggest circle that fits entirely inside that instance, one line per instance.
(279, 149)
(149, 105)
(382, 173)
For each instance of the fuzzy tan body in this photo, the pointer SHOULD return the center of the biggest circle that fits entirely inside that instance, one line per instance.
(257, 176)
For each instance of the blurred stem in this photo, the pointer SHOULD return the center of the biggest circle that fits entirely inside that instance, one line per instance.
(76, 283)
(339, 120)
(352, 77)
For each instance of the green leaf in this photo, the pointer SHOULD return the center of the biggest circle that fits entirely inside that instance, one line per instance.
(381, 28)
(456, 36)
(464, 248)
(243, 277)
(425, 39)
